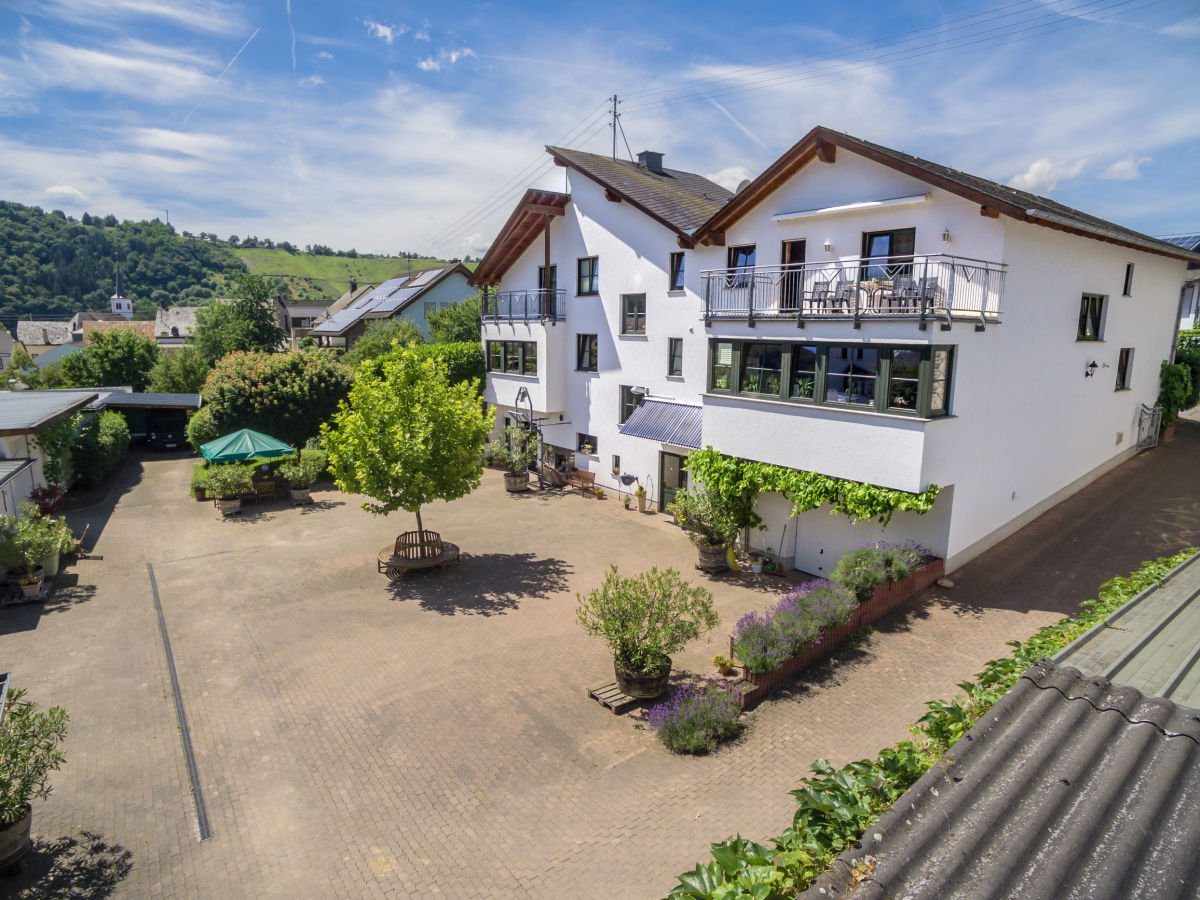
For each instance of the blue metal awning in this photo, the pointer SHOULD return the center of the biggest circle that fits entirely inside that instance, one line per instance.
(667, 422)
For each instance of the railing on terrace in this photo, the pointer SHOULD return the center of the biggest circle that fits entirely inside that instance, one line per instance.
(525, 306)
(937, 287)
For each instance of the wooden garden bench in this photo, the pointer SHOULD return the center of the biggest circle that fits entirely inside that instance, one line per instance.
(415, 550)
(582, 479)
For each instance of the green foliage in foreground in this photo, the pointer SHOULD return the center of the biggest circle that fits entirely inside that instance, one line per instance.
(100, 445)
(835, 806)
(378, 339)
(29, 751)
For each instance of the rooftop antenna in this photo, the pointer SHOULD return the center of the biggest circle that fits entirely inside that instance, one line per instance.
(615, 116)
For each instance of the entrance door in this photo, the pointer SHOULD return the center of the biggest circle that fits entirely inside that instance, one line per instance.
(792, 285)
(672, 476)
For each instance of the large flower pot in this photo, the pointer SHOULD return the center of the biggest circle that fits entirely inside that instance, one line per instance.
(641, 499)
(712, 558)
(641, 685)
(514, 484)
(300, 495)
(51, 563)
(15, 843)
(199, 492)
(230, 507)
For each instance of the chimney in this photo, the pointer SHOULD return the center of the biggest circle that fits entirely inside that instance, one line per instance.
(651, 161)
(353, 285)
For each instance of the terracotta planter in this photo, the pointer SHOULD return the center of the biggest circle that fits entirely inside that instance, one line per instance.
(712, 558)
(515, 484)
(1167, 434)
(15, 843)
(641, 685)
(200, 495)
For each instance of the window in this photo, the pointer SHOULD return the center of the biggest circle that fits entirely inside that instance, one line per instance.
(896, 246)
(585, 355)
(588, 276)
(585, 443)
(674, 356)
(1127, 291)
(1091, 318)
(616, 467)
(1124, 368)
(633, 314)
(722, 366)
(512, 357)
(553, 285)
(740, 261)
(804, 371)
(676, 280)
(629, 402)
(762, 369)
(904, 380)
(430, 307)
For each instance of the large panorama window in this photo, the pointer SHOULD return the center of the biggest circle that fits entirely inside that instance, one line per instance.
(512, 357)
(901, 380)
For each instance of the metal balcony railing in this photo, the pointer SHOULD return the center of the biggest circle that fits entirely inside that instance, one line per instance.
(525, 306)
(936, 287)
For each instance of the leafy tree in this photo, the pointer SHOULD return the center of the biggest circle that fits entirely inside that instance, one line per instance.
(247, 323)
(407, 436)
(285, 395)
(457, 323)
(378, 337)
(464, 362)
(145, 310)
(180, 372)
(112, 358)
(102, 442)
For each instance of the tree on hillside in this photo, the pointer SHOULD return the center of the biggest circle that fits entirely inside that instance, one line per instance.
(285, 395)
(180, 372)
(407, 436)
(111, 359)
(456, 323)
(247, 323)
(377, 340)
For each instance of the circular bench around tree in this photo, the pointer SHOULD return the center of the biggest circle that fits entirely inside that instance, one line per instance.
(416, 550)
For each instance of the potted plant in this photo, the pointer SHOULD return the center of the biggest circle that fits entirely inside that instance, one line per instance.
(644, 619)
(712, 524)
(227, 483)
(515, 451)
(301, 471)
(29, 752)
(64, 542)
(599, 493)
(626, 501)
(26, 541)
(723, 663)
(586, 449)
(640, 493)
(199, 483)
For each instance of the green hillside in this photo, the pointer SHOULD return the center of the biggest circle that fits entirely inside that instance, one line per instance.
(311, 277)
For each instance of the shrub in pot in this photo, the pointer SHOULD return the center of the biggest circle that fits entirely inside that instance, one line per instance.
(515, 451)
(25, 542)
(644, 619)
(640, 493)
(199, 483)
(301, 471)
(227, 483)
(711, 522)
(29, 752)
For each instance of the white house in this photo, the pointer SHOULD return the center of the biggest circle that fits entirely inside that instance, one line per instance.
(852, 311)
(1189, 296)
(413, 296)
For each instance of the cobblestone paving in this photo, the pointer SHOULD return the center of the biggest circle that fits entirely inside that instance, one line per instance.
(358, 739)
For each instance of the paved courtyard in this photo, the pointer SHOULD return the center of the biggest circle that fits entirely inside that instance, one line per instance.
(359, 739)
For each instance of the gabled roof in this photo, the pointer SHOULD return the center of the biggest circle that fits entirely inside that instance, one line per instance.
(144, 328)
(44, 333)
(683, 201)
(525, 224)
(990, 195)
(181, 318)
(1070, 786)
(388, 300)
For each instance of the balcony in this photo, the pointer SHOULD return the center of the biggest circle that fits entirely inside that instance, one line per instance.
(525, 306)
(922, 288)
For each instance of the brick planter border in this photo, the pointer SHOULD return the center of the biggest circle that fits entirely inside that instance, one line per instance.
(884, 599)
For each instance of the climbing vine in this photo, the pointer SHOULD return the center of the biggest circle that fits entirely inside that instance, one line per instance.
(858, 500)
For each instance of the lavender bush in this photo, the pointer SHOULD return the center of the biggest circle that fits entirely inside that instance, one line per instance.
(764, 642)
(697, 717)
(869, 565)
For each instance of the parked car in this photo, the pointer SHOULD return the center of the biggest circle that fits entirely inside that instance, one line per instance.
(166, 431)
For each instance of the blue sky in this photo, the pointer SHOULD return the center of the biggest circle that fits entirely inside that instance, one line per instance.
(389, 126)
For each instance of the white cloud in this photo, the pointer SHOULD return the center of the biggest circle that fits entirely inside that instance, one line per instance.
(1044, 175)
(65, 192)
(146, 77)
(444, 58)
(1127, 168)
(422, 35)
(1184, 28)
(312, 81)
(188, 143)
(730, 177)
(197, 15)
(386, 33)
(324, 54)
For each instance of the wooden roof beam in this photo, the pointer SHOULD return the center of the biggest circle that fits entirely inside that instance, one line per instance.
(611, 196)
(826, 152)
(685, 243)
(989, 212)
(543, 209)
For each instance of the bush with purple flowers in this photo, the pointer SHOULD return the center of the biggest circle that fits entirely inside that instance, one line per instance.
(865, 567)
(697, 717)
(764, 641)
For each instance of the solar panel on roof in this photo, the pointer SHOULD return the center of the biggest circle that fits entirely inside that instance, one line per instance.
(425, 277)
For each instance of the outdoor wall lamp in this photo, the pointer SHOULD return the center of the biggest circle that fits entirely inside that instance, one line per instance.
(828, 247)
(1090, 369)
(946, 236)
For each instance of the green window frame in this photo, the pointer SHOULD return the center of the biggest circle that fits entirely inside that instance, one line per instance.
(901, 380)
(512, 357)
(674, 357)
(587, 280)
(586, 352)
(633, 314)
(629, 402)
(1091, 318)
(1124, 369)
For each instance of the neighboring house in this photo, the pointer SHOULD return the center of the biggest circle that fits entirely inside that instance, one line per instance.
(144, 328)
(411, 297)
(80, 319)
(301, 317)
(853, 311)
(1082, 781)
(6, 347)
(1189, 295)
(55, 355)
(174, 325)
(22, 415)
(39, 335)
